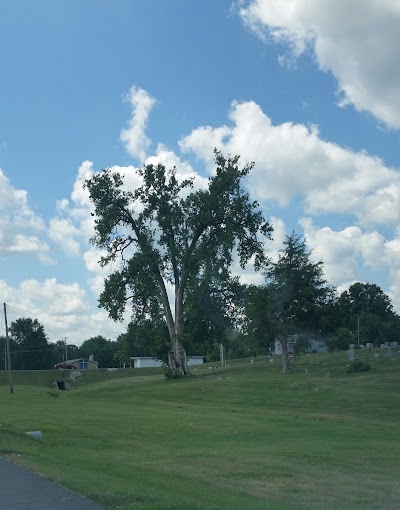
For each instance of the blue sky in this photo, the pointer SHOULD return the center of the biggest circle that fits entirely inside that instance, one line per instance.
(307, 89)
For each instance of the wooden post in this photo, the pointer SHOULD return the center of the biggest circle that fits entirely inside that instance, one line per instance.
(8, 351)
(65, 345)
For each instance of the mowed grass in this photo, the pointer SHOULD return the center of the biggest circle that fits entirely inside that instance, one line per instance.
(246, 437)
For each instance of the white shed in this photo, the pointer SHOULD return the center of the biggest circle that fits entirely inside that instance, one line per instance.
(147, 362)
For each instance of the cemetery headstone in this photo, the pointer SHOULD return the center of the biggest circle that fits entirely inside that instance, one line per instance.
(351, 354)
(387, 351)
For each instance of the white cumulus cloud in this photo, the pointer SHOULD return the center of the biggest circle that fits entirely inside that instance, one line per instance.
(63, 233)
(292, 160)
(134, 135)
(346, 252)
(357, 41)
(20, 228)
(63, 310)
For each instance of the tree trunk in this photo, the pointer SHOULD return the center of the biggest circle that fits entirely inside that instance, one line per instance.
(178, 362)
(177, 356)
(285, 355)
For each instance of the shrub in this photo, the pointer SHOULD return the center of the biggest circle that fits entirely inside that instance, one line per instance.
(358, 366)
(341, 340)
(168, 373)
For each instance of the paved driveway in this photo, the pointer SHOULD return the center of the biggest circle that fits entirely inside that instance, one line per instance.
(22, 490)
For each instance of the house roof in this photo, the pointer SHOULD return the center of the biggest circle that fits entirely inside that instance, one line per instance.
(72, 361)
(152, 357)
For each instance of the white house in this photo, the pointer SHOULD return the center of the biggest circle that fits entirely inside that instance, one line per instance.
(314, 345)
(147, 362)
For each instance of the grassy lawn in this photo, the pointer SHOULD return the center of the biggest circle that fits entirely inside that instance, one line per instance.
(247, 437)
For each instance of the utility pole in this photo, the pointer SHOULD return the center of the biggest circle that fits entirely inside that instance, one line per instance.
(8, 351)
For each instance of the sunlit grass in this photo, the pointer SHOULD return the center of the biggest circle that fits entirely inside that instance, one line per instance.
(244, 437)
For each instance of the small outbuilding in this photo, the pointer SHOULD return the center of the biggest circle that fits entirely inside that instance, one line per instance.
(148, 362)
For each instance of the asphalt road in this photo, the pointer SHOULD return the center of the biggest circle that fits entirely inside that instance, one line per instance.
(22, 490)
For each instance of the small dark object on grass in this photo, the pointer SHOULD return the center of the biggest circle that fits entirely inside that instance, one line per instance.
(63, 385)
(358, 366)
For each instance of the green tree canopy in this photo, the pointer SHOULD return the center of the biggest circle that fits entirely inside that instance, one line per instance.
(259, 322)
(103, 350)
(299, 292)
(367, 310)
(164, 232)
(341, 340)
(145, 337)
(32, 349)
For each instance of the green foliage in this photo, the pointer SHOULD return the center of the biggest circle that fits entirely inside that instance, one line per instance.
(169, 373)
(29, 346)
(259, 324)
(103, 350)
(300, 291)
(236, 345)
(365, 298)
(294, 300)
(367, 307)
(300, 295)
(358, 366)
(209, 310)
(147, 337)
(341, 340)
(178, 234)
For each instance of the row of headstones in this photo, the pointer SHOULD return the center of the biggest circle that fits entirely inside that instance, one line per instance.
(386, 347)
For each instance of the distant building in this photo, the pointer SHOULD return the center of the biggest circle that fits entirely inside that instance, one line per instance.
(314, 345)
(83, 363)
(148, 362)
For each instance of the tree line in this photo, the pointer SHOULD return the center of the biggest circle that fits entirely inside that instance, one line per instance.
(246, 319)
(31, 349)
(165, 234)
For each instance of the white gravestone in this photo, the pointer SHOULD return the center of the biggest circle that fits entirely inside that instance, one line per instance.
(351, 354)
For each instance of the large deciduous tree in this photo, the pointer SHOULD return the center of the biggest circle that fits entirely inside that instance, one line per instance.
(33, 352)
(367, 311)
(300, 293)
(164, 232)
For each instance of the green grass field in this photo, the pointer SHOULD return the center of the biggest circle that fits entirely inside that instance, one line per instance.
(247, 437)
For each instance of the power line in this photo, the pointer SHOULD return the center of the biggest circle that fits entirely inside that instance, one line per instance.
(64, 322)
(31, 350)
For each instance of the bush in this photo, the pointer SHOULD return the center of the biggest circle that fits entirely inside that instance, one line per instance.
(169, 374)
(341, 340)
(358, 366)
